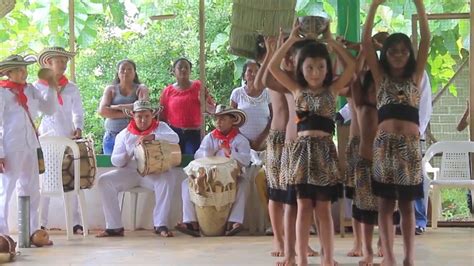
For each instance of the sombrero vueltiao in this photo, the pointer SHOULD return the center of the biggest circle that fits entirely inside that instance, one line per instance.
(141, 106)
(50, 52)
(15, 61)
(240, 116)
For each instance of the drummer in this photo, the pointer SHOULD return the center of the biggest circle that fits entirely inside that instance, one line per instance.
(67, 121)
(224, 141)
(143, 127)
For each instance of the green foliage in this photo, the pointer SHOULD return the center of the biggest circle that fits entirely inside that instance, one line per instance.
(454, 206)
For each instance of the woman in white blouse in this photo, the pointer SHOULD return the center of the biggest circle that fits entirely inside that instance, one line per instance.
(254, 100)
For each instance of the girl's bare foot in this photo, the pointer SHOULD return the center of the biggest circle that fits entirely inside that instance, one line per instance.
(355, 252)
(312, 252)
(277, 253)
(286, 262)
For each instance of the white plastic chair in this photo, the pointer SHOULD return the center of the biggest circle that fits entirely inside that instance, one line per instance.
(453, 173)
(51, 182)
(133, 203)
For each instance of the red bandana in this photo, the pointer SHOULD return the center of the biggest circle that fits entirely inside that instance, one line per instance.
(132, 127)
(226, 139)
(17, 89)
(62, 82)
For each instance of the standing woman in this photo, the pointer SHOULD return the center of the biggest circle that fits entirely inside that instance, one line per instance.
(397, 156)
(182, 106)
(254, 100)
(124, 91)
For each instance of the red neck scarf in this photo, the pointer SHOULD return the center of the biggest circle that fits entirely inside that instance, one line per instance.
(17, 89)
(132, 127)
(226, 139)
(62, 82)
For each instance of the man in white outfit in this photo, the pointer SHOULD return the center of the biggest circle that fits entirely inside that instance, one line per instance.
(67, 121)
(143, 127)
(224, 141)
(19, 105)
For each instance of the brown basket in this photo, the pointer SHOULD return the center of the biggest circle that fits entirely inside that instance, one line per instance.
(251, 18)
(6, 6)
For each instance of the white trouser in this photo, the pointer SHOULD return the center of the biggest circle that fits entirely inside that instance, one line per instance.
(76, 216)
(110, 184)
(238, 208)
(21, 170)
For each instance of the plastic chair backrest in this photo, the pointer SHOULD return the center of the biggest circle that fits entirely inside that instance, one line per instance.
(53, 147)
(455, 159)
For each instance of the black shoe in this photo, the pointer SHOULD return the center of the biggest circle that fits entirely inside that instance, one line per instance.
(419, 230)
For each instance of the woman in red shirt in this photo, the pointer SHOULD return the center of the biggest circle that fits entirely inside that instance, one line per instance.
(182, 107)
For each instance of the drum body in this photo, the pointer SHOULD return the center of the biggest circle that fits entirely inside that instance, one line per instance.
(157, 156)
(88, 165)
(212, 189)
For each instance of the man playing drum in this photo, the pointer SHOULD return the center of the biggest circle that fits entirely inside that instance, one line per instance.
(67, 121)
(143, 127)
(224, 141)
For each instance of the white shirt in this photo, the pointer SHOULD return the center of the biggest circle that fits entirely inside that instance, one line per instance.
(68, 117)
(256, 109)
(16, 131)
(346, 112)
(125, 143)
(425, 109)
(239, 147)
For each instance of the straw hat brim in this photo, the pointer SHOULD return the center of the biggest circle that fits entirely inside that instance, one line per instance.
(155, 111)
(10, 65)
(45, 55)
(240, 116)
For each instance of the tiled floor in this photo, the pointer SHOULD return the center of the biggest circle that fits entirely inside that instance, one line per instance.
(444, 246)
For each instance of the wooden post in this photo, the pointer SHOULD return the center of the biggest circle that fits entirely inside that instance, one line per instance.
(202, 63)
(471, 86)
(72, 41)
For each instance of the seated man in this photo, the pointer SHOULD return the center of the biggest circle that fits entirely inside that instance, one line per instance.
(143, 127)
(225, 141)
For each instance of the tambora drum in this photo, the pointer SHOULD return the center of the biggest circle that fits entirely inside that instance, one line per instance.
(88, 165)
(156, 156)
(212, 189)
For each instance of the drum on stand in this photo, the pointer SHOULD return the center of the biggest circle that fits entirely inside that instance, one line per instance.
(212, 189)
(88, 165)
(157, 156)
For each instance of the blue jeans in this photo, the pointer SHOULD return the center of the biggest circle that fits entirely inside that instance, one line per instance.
(189, 139)
(109, 142)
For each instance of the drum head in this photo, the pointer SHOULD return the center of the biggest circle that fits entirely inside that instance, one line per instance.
(140, 156)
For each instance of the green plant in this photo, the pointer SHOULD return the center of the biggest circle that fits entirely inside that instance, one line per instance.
(454, 205)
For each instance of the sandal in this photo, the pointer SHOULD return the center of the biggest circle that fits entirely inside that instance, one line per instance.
(188, 229)
(78, 229)
(233, 228)
(111, 233)
(163, 231)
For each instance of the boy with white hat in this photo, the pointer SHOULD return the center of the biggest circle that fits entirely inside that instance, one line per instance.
(224, 141)
(67, 121)
(19, 104)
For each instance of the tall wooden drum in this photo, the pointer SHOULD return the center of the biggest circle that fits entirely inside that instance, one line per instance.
(212, 189)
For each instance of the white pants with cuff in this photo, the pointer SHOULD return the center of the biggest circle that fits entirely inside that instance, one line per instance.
(110, 184)
(21, 171)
